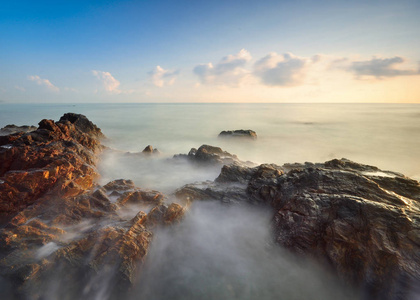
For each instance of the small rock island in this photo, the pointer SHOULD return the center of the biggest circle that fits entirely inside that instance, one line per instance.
(245, 134)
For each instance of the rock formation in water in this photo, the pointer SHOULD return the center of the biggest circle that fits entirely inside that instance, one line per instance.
(211, 155)
(149, 150)
(362, 222)
(58, 223)
(248, 134)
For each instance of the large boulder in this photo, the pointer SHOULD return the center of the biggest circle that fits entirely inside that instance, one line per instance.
(361, 221)
(211, 155)
(59, 157)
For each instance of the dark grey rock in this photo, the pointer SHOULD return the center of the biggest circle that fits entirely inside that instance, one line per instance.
(361, 221)
(249, 134)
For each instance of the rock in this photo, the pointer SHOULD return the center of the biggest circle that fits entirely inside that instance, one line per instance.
(82, 123)
(248, 134)
(149, 150)
(58, 224)
(109, 245)
(361, 221)
(210, 155)
(57, 157)
(11, 129)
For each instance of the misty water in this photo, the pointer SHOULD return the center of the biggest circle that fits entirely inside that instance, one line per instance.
(226, 252)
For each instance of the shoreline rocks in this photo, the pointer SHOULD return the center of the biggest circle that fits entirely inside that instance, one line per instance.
(211, 155)
(12, 128)
(360, 221)
(58, 224)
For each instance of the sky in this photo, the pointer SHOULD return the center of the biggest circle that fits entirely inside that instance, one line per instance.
(210, 51)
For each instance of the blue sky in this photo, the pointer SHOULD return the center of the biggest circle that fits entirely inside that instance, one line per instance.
(205, 51)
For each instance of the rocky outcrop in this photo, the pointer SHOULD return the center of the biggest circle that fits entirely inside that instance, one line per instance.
(58, 159)
(149, 150)
(57, 223)
(86, 237)
(247, 134)
(11, 129)
(361, 221)
(210, 155)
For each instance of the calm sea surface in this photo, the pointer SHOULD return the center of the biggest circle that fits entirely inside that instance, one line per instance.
(384, 135)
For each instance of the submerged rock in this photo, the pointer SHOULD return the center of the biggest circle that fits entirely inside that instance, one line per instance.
(357, 219)
(248, 134)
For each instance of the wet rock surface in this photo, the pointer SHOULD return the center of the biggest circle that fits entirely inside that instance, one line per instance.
(11, 129)
(211, 155)
(360, 221)
(56, 159)
(57, 223)
(241, 133)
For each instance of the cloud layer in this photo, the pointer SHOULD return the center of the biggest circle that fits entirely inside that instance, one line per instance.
(229, 71)
(380, 67)
(109, 83)
(44, 82)
(282, 70)
(161, 77)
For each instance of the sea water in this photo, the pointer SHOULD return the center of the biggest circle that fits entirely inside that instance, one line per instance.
(383, 135)
(221, 252)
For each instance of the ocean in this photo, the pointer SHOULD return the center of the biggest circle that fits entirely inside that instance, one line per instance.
(220, 252)
(383, 135)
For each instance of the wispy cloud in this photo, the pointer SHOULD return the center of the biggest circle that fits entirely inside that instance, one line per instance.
(68, 89)
(44, 82)
(282, 70)
(19, 88)
(161, 77)
(109, 83)
(380, 67)
(229, 71)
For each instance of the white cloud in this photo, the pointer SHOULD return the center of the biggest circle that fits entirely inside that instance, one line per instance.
(229, 71)
(44, 82)
(161, 77)
(68, 89)
(19, 88)
(283, 70)
(108, 81)
(380, 67)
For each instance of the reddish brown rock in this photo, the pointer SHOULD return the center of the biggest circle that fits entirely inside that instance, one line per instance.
(57, 223)
(57, 156)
